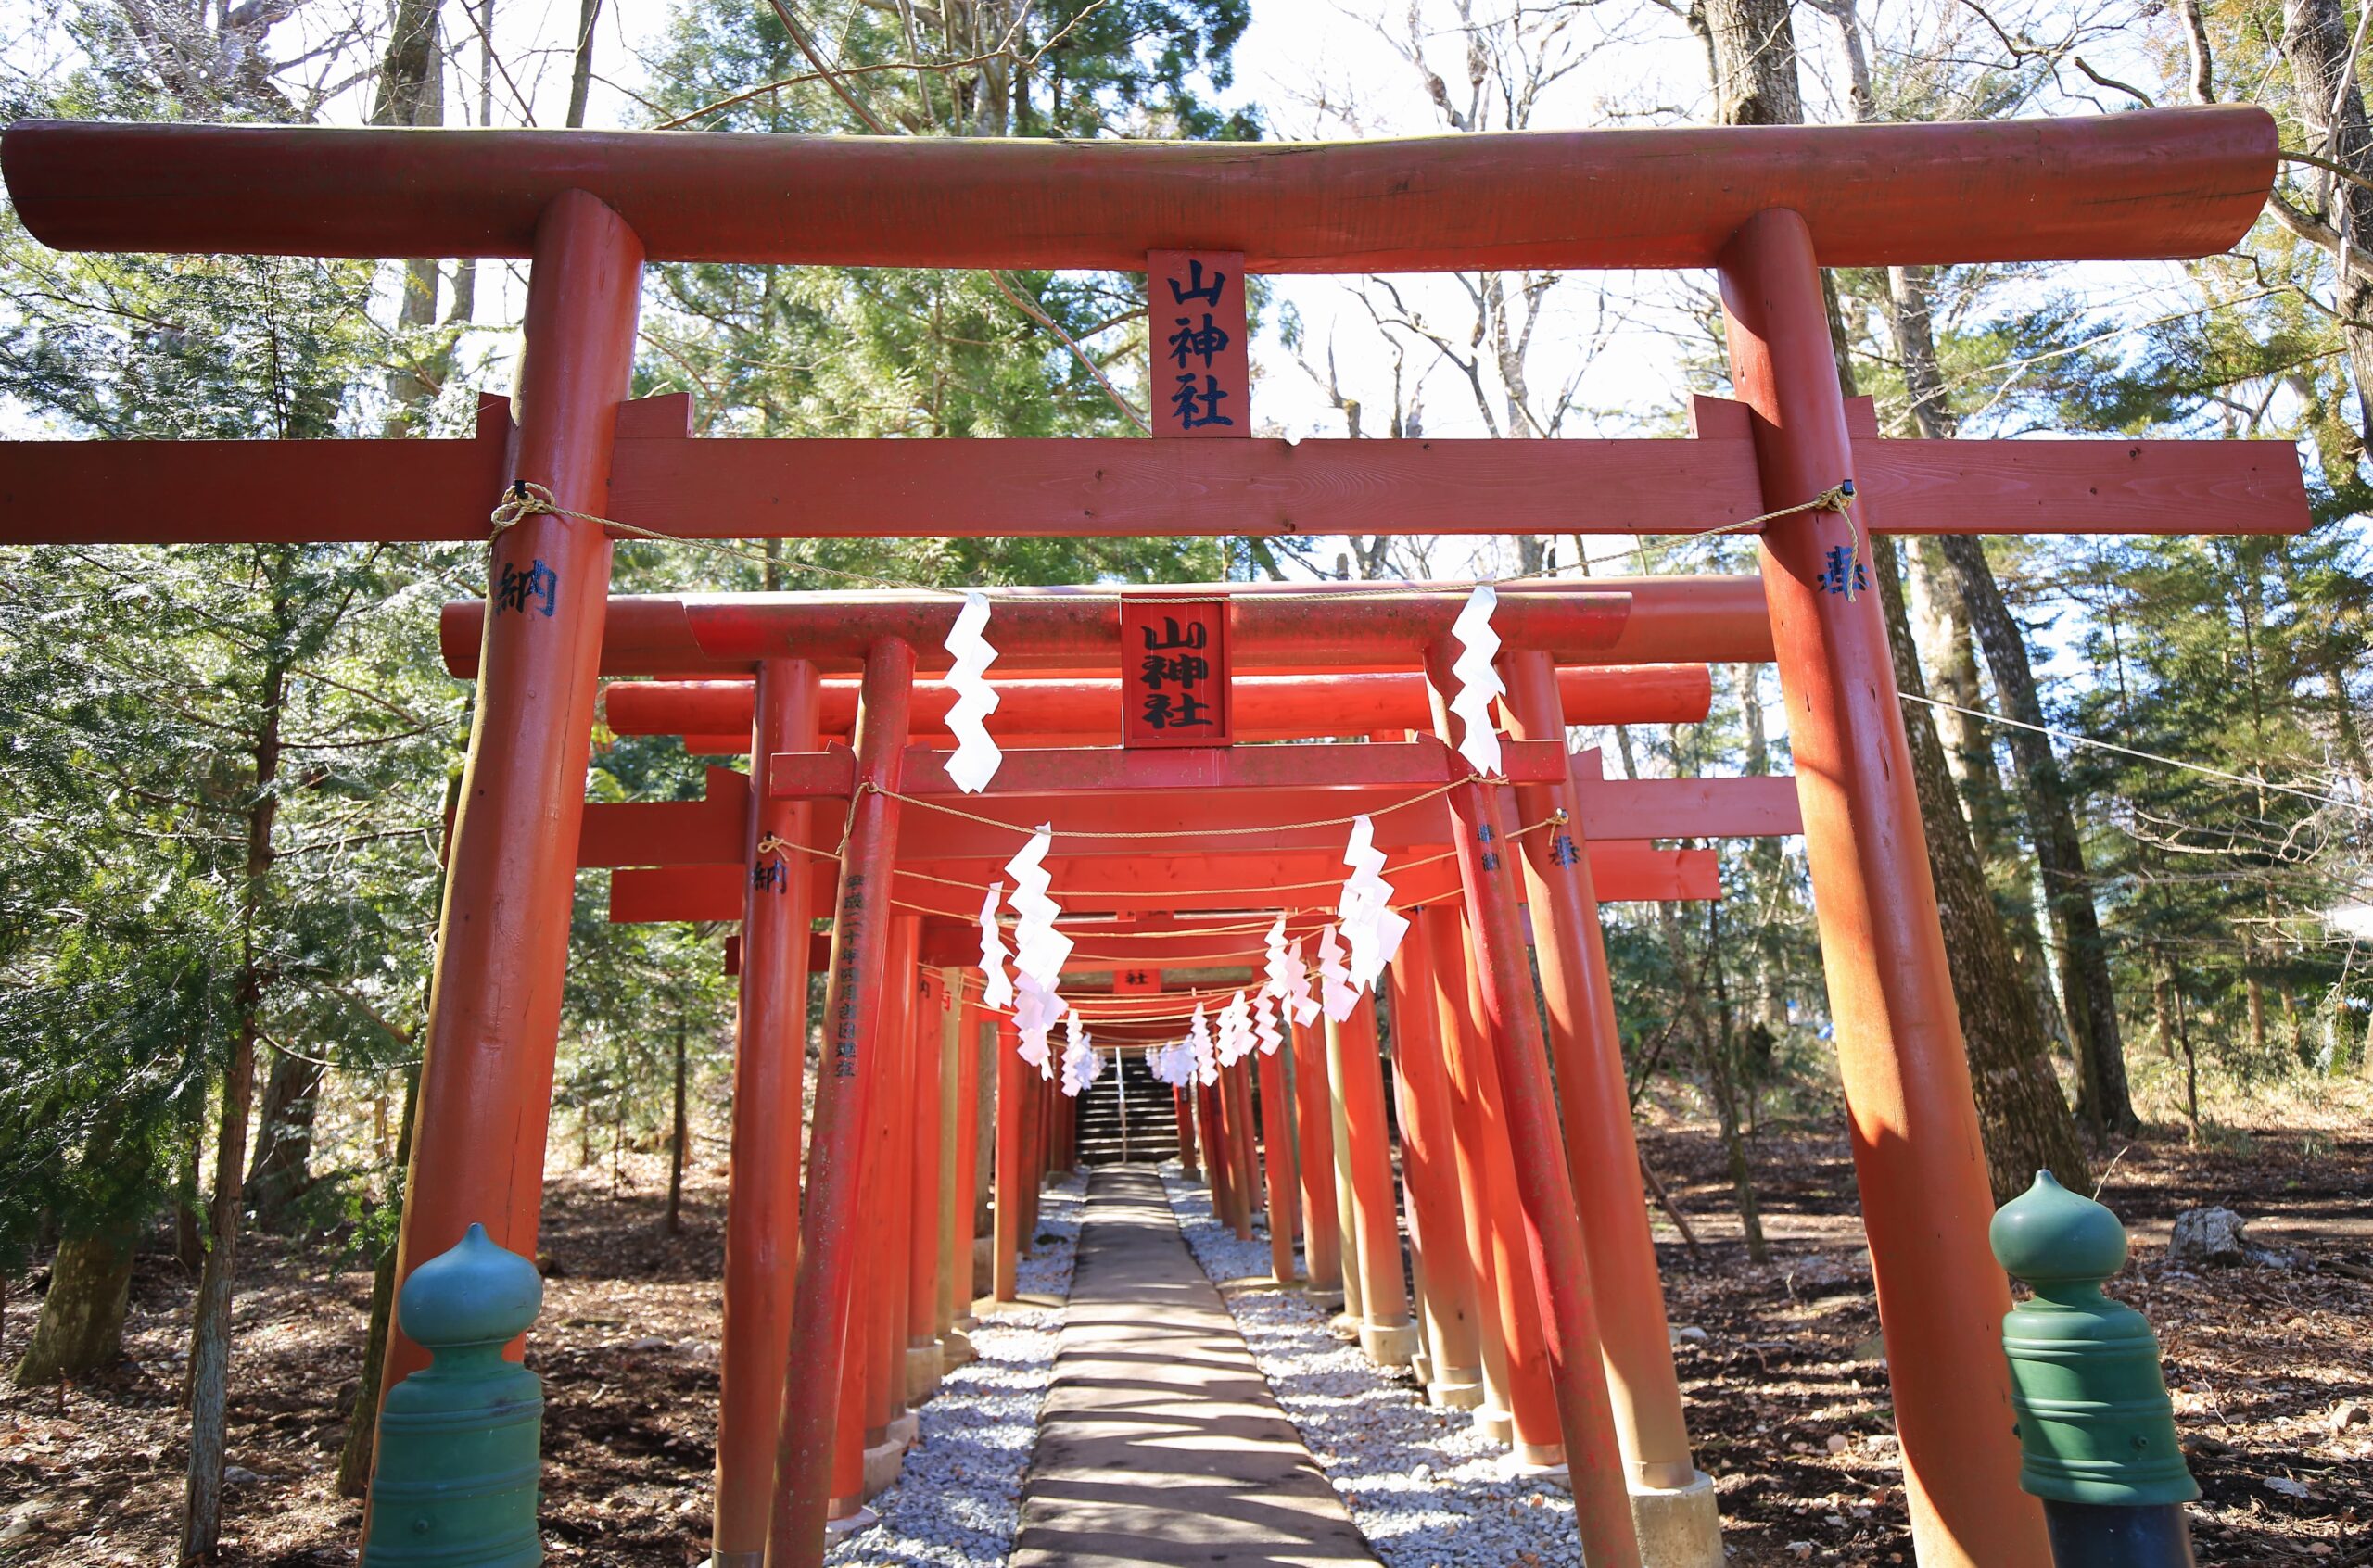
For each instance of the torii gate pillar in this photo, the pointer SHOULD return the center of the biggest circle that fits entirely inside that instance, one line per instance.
(770, 1059)
(1917, 1158)
(502, 941)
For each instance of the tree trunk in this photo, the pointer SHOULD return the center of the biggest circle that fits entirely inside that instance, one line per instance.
(355, 1461)
(1728, 1084)
(2085, 988)
(209, 1354)
(189, 1229)
(2086, 999)
(2315, 41)
(1765, 858)
(1948, 652)
(679, 1133)
(411, 93)
(580, 76)
(1753, 45)
(1714, 1070)
(2020, 1113)
(282, 1167)
(2191, 1060)
(362, 1422)
(81, 1326)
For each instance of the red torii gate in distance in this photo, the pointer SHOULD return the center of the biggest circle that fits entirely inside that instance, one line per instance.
(709, 835)
(1765, 208)
(1278, 628)
(714, 717)
(676, 835)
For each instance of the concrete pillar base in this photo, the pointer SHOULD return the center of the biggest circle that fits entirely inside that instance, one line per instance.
(906, 1429)
(1538, 1459)
(881, 1465)
(1421, 1367)
(923, 1368)
(1388, 1345)
(955, 1350)
(735, 1559)
(1343, 1326)
(846, 1517)
(1460, 1389)
(1496, 1426)
(1679, 1527)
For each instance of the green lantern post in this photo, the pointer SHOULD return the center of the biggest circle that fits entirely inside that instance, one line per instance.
(2096, 1429)
(459, 1441)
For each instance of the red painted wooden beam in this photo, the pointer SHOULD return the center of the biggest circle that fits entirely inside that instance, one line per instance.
(1390, 770)
(2164, 182)
(1302, 628)
(2081, 487)
(1622, 872)
(716, 712)
(1615, 809)
(709, 832)
(92, 492)
(830, 487)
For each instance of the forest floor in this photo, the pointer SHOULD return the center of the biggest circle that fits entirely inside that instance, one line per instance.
(1786, 1387)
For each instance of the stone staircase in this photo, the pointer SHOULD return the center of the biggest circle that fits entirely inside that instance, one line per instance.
(1127, 1088)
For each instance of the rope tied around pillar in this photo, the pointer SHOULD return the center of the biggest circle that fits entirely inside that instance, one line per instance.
(526, 499)
(1839, 499)
(848, 823)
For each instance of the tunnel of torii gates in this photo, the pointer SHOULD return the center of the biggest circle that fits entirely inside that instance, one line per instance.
(1559, 1214)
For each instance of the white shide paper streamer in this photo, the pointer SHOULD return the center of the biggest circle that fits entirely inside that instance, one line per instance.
(1235, 1031)
(1265, 1023)
(1289, 976)
(974, 762)
(1034, 1011)
(1335, 985)
(1039, 950)
(1479, 679)
(1200, 1049)
(996, 986)
(1369, 922)
(1081, 1062)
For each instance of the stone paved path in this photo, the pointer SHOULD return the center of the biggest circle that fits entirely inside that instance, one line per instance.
(1160, 1443)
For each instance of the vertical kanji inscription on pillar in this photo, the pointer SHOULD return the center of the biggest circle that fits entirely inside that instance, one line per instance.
(1201, 380)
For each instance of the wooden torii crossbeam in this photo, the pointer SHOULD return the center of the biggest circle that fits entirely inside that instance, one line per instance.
(714, 717)
(687, 860)
(1765, 208)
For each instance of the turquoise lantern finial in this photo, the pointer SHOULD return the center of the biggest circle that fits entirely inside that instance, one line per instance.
(2094, 1423)
(459, 1441)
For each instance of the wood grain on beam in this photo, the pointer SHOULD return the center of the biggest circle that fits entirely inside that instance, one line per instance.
(2164, 182)
(91, 492)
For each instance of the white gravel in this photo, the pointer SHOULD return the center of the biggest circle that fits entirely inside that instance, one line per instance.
(958, 1502)
(1425, 1489)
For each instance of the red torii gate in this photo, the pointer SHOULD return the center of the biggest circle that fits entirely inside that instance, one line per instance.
(1765, 208)
(677, 837)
